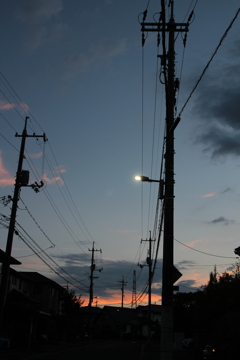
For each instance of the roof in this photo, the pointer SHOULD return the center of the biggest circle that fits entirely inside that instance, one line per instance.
(119, 313)
(13, 261)
(40, 279)
(94, 310)
(154, 308)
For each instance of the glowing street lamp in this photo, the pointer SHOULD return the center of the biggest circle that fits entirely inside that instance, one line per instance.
(145, 178)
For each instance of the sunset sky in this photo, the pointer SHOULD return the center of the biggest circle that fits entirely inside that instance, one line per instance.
(78, 70)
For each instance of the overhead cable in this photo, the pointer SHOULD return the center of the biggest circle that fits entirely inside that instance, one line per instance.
(205, 69)
(205, 253)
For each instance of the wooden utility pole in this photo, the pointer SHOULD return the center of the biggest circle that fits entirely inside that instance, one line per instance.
(22, 178)
(168, 66)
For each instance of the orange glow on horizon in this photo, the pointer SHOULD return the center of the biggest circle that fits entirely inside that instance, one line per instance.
(115, 299)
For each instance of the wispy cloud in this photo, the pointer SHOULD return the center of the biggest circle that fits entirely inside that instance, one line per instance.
(39, 10)
(103, 50)
(62, 169)
(36, 155)
(221, 220)
(5, 105)
(6, 178)
(208, 195)
(40, 18)
(193, 243)
(53, 180)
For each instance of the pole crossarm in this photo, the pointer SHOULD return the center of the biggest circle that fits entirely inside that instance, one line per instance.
(33, 135)
(160, 27)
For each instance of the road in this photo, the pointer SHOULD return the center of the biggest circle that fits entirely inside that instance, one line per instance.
(107, 350)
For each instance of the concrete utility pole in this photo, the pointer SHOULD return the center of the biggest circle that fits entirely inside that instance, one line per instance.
(22, 178)
(168, 65)
(149, 263)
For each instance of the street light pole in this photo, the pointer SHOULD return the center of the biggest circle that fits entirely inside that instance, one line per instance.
(168, 237)
(168, 65)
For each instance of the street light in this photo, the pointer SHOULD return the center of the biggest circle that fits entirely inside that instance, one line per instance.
(161, 186)
(145, 178)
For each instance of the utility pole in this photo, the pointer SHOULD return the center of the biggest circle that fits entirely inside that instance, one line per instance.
(123, 284)
(168, 65)
(149, 263)
(134, 290)
(22, 178)
(93, 268)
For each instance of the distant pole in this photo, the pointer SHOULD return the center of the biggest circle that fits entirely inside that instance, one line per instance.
(20, 181)
(123, 284)
(134, 297)
(93, 268)
(149, 263)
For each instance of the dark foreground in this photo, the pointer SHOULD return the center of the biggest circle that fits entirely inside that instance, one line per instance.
(92, 350)
(124, 350)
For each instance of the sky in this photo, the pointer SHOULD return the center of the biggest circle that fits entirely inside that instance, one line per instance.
(79, 72)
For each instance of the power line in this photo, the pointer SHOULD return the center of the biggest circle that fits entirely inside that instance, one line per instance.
(50, 266)
(206, 67)
(205, 253)
(73, 208)
(38, 254)
(35, 221)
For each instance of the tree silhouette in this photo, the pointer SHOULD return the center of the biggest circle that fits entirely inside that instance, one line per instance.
(213, 312)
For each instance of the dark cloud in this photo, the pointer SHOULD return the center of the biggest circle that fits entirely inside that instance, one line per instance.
(231, 268)
(108, 279)
(184, 265)
(187, 286)
(217, 106)
(221, 220)
(228, 189)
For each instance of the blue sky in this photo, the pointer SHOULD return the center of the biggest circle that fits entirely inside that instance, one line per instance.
(76, 69)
